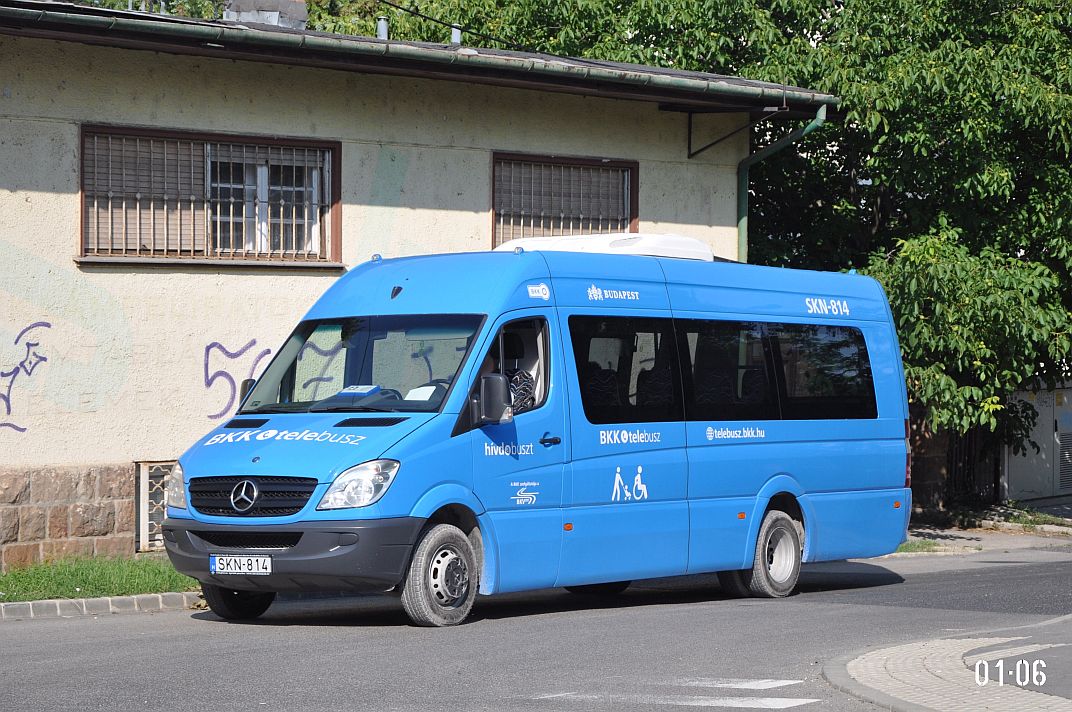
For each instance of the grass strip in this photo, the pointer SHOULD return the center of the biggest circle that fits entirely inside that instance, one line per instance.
(91, 578)
(918, 546)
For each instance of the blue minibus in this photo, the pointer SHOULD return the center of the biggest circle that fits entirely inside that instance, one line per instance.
(559, 412)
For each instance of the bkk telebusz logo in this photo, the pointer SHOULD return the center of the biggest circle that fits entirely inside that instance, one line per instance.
(246, 436)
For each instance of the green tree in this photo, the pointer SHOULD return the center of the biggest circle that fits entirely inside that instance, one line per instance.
(946, 174)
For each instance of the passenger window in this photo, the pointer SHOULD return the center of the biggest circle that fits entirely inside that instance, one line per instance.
(728, 368)
(627, 369)
(520, 352)
(827, 374)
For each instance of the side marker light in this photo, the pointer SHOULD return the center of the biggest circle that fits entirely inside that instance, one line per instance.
(740, 515)
(568, 526)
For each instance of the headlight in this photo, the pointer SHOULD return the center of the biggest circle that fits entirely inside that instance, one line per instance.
(176, 493)
(360, 486)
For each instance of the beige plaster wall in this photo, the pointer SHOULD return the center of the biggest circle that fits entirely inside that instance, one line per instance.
(130, 361)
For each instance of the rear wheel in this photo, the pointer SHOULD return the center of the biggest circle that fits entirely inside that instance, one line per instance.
(233, 605)
(600, 589)
(441, 584)
(776, 568)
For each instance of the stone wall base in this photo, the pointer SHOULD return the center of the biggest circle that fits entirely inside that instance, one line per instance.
(59, 512)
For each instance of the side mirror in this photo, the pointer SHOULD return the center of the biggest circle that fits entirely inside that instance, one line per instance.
(244, 388)
(495, 405)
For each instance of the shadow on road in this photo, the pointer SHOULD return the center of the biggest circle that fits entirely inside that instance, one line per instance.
(845, 575)
(386, 611)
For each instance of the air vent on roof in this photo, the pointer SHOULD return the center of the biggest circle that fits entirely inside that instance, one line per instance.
(368, 422)
(246, 423)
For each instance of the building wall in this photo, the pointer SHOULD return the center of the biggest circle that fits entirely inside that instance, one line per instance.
(121, 363)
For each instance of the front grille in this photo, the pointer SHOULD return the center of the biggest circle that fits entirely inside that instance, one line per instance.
(279, 496)
(251, 540)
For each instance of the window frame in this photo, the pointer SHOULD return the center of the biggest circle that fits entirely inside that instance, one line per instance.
(333, 246)
(770, 367)
(665, 325)
(633, 167)
(789, 408)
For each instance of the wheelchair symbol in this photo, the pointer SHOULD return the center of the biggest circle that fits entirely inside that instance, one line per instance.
(623, 492)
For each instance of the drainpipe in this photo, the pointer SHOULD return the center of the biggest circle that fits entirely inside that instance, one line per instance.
(742, 176)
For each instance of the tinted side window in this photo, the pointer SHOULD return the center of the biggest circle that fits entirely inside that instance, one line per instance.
(827, 373)
(627, 369)
(728, 368)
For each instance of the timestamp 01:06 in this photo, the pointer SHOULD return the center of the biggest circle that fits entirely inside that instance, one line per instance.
(1021, 674)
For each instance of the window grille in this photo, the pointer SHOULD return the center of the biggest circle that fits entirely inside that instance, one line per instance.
(175, 197)
(536, 197)
(152, 486)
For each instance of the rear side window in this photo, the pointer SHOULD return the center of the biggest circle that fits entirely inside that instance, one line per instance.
(627, 369)
(826, 372)
(727, 371)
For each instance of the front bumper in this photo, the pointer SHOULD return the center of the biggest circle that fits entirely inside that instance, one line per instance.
(357, 556)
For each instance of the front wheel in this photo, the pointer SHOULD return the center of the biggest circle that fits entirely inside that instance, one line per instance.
(441, 584)
(776, 568)
(233, 605)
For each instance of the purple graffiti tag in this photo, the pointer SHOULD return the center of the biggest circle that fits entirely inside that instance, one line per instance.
(25, 367)
(330, 355)
(224, 375)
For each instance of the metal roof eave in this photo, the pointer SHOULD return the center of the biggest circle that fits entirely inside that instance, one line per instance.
(462, 63)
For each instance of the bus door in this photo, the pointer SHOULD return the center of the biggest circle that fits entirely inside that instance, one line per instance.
(628, 515)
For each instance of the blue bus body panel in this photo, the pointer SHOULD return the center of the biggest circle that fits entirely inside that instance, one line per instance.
(609, 502)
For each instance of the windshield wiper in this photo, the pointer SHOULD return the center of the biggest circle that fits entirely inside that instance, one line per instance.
(274, 408)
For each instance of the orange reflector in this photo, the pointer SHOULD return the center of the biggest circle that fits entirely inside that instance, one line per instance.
(568, 526)
(740, 515)
(896, 505)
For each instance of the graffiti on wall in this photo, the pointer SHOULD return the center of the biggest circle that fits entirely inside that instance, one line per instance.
(26, 343)
(225, 369)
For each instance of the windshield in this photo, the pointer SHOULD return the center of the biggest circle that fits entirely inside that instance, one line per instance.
(366, 363)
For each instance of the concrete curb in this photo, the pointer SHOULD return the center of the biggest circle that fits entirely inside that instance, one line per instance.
(836, 672)
(1040, 529)
(75, 607)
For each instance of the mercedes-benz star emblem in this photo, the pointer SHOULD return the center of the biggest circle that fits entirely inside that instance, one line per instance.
(244, 496)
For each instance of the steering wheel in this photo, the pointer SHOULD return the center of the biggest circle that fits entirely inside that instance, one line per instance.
(391, 393)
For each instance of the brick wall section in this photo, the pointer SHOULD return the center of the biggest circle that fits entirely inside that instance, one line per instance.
(56, 512)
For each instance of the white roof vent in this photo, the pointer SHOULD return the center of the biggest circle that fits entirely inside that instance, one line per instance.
(631, 243)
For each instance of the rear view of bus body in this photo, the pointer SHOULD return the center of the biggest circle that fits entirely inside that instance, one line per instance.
(527, 418)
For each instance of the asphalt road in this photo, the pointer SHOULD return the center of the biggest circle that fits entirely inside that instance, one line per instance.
(663, 644)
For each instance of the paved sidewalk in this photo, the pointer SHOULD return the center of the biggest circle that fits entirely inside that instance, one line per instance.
(969, 541)
(1014, 670)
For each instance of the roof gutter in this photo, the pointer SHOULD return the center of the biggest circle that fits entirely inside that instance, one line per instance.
(252, 39)
(762, 155)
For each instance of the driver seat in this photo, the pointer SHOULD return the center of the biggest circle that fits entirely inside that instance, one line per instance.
(522, 383)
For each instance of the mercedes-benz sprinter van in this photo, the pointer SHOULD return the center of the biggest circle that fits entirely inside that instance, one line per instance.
(575, 412)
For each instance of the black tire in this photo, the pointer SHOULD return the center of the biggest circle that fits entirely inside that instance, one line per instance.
(233, 605)
(776, 568)
(442, 581)
(600, 589)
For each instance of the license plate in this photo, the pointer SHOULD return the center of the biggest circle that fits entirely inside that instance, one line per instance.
(241, 565)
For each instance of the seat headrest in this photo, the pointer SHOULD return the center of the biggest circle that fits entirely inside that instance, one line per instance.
(513, 347)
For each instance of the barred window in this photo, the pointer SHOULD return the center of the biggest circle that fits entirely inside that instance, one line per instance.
(170, 196)
(535, 197)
